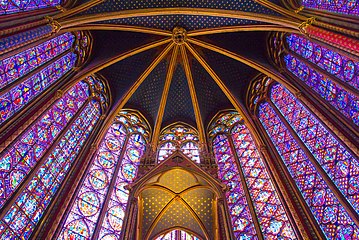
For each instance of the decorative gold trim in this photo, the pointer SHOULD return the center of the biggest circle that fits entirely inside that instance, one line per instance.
(196, 108)
(242, 28)
(78, 20)
(116, 27)
(166, 88)
(299, 9)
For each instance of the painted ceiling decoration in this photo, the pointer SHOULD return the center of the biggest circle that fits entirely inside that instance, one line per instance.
(179, 120)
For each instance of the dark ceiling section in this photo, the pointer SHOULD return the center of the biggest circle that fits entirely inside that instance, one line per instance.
(123, 74)
(235, 75)
(210, 97)
(248, 44)
(189, 22)
(111, 43)
(148, 96)
(179, 104)
(115, 5)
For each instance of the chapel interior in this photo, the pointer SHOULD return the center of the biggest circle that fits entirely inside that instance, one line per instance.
(179, 119)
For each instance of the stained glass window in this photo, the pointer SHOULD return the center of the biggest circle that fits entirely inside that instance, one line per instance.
(12, 6)
(344, 68)
(26, 75)
(181, 137)
(228, 129)
(102, 191)
(350, 7)
(63, 129)
(177, 235)
(341, 166)
(344, 101)
(334, 158)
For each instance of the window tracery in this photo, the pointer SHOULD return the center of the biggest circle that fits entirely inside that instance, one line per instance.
(48, 149)
(177, 235)
(281, 113)
(101, 199)
(26, 75)
(179, 136)
(330, 74)
(237, 158)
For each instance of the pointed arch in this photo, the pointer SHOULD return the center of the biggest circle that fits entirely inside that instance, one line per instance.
(179, 136)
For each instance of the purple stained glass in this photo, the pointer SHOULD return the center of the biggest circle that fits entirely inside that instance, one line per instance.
(345, 102)
(24, 153)
(179, 137)
(16, 6)
(177, 235)
(113, 154)
(349, 7)
(16, 66)
(331, 216)
(83, 216)
(32, 203)
(115, 212)
(341, 66)
(340, 165)
(272, 218)
(242, 222)
(17, 97)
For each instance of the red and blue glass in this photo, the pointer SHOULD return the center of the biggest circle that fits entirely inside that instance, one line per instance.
(348, 7)
(16, 66)
(336, 64)
(21, 156)
(180, 137)
(115, 163)
(340, 165)
(270, 212)
(115, 212)
(242, 222)
(16, 6)
(23, 216)
(18, 96)
(177, 235)
(344, 101)
(83, 216)
(331, 216)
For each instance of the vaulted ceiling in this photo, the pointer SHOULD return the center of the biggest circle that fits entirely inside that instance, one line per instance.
(187, 77)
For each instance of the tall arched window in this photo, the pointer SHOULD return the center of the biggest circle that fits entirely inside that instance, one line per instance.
(34, 166)
(99, 206)
(348, 7)
(242, 169)
(320, 164)
(178, 136)
(24, 76)
(332, 76)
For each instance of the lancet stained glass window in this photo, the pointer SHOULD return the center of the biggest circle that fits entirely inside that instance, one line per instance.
(63, 129)
(340, 165)
(331, 216)
(334, 63)
(227, 130)
(181, 137)
(26, 75)
(344, 101)
(350, 7)
(115, 164)
(13, 6)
